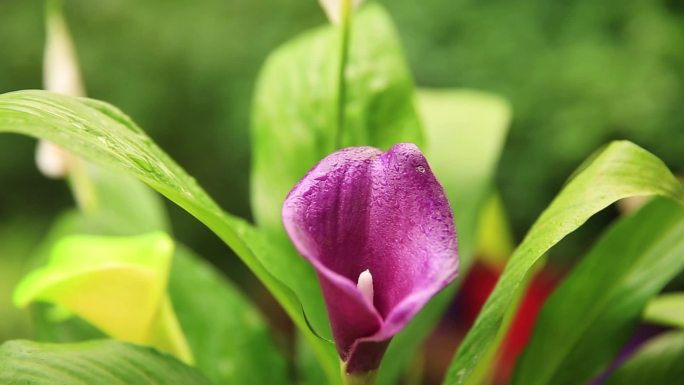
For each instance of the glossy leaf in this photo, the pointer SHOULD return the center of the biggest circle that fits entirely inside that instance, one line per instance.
(667, 310)
(462, 127)
(102, 134)
(621, 170)
(103, 362)
(659, 361)
(608, 291)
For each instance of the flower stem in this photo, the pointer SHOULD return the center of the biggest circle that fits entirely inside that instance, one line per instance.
(345, 28)
(359, 378)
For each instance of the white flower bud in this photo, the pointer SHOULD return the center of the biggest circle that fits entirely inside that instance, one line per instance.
(333, 8)
(61, 73)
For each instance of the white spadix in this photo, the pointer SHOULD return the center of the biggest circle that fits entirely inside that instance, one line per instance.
(365, 285)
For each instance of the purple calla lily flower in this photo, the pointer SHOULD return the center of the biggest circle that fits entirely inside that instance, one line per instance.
(378, 230)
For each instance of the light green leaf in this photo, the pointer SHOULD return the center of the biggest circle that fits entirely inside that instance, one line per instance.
(465, 132)
(667, 309)
(607, 291)
(118, 284)
(659, 361)
(122, 205)
(230, 341)
(102, 134)
(104, 362)
(619, 171)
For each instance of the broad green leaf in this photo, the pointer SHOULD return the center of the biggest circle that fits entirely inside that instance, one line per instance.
(659, 361)
(122, 205)
(118, 284)
(294, 120)
(102, 134)
(18, 236)
(667, 309)
(621, 170)
(103, 362)
(230, 341)
(608, 291)
(465, 132)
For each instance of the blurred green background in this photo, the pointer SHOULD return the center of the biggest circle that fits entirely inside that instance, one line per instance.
(577, 73)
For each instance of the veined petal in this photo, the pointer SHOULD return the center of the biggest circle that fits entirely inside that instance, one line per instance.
(360, 209)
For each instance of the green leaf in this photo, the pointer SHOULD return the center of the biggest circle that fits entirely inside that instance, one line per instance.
(230, 341)
(294, 121)
(102, 134)
(465, 132)
(667, 310)
(104, 362)
(608, 291)
(619, 171)
(118, 284)
(122, 205)
(659, 361)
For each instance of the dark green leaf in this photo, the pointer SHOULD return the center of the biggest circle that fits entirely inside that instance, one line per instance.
(229, 339)
(587, 320)
(621, 170)
(103, 362)
(659, 361)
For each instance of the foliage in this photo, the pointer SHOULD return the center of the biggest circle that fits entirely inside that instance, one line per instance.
(93, 362)
(332, 87)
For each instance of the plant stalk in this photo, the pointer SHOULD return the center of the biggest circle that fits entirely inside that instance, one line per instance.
(359, 378)
(345, 31)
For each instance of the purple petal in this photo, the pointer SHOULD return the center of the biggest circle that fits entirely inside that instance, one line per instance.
(360, 209)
